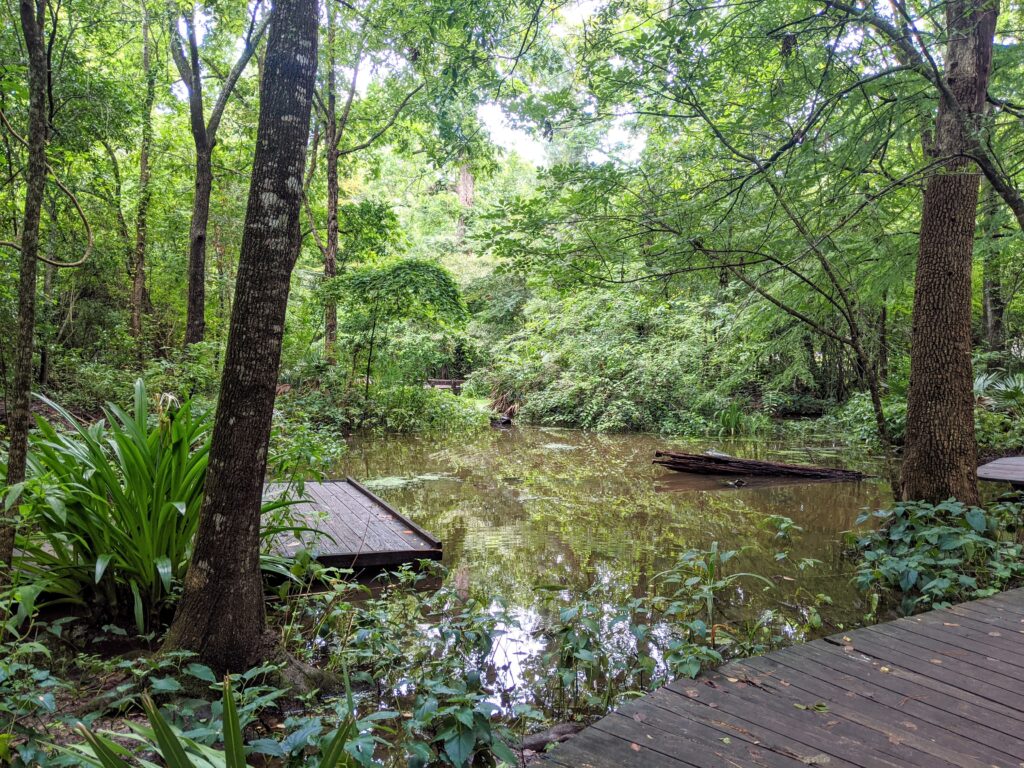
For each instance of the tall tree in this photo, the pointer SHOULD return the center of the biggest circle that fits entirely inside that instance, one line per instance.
(138, 266)
(221, 615)
(941, 449)
(186, 54)
(33, 17)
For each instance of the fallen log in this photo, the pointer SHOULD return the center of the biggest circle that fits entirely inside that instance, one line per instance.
(710, 464)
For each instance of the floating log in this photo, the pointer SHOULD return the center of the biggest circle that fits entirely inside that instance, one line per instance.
(720, 464)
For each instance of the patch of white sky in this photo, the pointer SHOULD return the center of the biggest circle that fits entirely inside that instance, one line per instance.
(620, 142)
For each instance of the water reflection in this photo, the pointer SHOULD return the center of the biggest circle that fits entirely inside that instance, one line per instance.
(523, 508)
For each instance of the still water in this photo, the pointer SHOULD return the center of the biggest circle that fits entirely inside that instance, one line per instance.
(528, 508)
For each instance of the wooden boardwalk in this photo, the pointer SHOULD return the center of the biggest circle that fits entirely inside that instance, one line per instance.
(938, 690)
(360, 530)
(1006, 470)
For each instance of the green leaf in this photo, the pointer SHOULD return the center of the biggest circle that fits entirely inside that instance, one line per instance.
(164, 685)
(201, 672)
(908, 579)
(101, 566)
(171, 748)
(234, 751)
(504, 753)
(459, 748)
(164, 570)
(976, 519)
(102, 748)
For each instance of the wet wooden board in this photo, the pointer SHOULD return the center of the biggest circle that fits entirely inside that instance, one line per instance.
(941, 690)
(357, 528)
(1008, 470)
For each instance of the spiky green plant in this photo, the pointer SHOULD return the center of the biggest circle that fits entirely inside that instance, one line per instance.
(116, 506)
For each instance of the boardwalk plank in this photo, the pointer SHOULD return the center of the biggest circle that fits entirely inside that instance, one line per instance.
(823, 735)
(721, 741)
(982, 645)
(906, 688)
(937, 665)
(1008, 675)
(970, 629)
(960, 677)
(900, 722)
(940, 690)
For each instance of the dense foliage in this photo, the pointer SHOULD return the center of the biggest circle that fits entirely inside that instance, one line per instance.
(924, 556)
(718, 234)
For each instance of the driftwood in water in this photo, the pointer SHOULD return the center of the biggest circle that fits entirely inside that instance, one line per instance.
(708, 464)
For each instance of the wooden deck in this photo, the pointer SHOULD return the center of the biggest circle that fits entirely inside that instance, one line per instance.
(1007, 470)
(942, 689)
(360, 529)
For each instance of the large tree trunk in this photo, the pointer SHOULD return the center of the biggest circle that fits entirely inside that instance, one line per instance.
(195, 324)
(221, 615)
(142, 212)
(941, 450)
(32, 18)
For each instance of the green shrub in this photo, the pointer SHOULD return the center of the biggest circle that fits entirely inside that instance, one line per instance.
(112, 508)
(856, 418)
(925, 556)
(179, 751)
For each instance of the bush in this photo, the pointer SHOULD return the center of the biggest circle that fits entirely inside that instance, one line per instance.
(331, 406)
(856, 418)
(112, 508)
(928, 556)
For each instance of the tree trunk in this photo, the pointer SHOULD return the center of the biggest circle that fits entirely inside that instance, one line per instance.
(49, 273)
(142, 212)
(993, 304)
(464, 189)
(204, 134)
(331, 135)
(221, 614)
(32, 18)
(941, 449)
(195, 326)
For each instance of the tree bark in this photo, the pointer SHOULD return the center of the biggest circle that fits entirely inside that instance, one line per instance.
(142, 211)
(464, 189)
(993, 302)
(204, 135)
(331, 136)
(221, 614)
(195, 323)
(32, 19)
(941, 450)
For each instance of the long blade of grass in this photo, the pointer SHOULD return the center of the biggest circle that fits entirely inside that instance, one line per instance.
(170, 745)
(234, 752)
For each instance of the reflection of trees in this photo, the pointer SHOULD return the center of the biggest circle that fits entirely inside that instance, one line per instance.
(528, 507)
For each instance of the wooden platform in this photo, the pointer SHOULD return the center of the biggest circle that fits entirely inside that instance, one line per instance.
(938, 690)
(361, 529)
(1007, 470)
(452, 385)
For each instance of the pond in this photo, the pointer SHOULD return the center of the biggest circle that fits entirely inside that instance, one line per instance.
(525, 509)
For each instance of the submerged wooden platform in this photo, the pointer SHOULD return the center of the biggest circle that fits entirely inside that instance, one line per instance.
(1006, 470)
(938, 690)
(360, 530)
